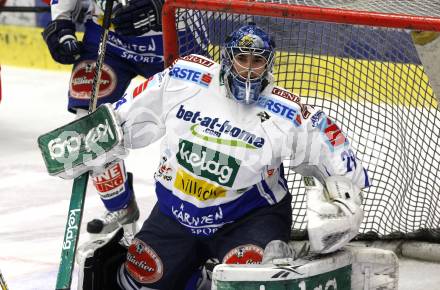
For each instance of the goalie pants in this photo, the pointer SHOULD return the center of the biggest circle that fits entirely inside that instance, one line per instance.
(164, 254)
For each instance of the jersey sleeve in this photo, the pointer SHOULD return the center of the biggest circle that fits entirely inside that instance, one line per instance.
(141, 112)
(63, 9)
(320, 149)
(70, 9)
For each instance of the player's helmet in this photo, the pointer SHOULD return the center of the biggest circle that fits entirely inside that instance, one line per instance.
(247, 40)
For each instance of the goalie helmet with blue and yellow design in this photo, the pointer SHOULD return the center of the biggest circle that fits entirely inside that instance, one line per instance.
(246, 61)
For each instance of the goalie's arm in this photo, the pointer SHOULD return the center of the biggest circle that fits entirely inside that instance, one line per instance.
(333, 210)
(141, 112)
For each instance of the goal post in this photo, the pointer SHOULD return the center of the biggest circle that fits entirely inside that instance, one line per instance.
(357, 61)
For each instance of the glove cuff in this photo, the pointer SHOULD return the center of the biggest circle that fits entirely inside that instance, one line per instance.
(341, 187)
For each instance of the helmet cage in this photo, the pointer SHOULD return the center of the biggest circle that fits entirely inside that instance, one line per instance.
(246, 89)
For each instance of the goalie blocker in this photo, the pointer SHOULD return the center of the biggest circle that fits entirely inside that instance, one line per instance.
(86, 144)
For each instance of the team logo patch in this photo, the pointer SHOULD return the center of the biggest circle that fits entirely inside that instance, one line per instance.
(143, 264)
(111, 182)
(247, 254)
(82, 80)
(251, 41)
(316, 118)
(199, 60)
(208, 163)
(200, 189)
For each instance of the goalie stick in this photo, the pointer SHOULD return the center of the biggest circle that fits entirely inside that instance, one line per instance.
(76, 206)
(3, 282)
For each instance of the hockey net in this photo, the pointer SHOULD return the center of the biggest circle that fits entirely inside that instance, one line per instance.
(357, 61)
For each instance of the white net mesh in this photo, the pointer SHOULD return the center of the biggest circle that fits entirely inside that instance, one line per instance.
(371, 81)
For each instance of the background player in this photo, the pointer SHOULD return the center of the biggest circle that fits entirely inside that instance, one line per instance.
(134, 48)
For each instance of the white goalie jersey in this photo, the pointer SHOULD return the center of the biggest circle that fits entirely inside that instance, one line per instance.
(221, 159)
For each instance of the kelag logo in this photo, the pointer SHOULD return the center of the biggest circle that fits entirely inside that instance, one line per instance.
(191, 75)
(208, 163)
(197, 188)
(213, 130)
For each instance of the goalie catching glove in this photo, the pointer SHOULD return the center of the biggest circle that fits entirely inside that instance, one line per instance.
(334, 215)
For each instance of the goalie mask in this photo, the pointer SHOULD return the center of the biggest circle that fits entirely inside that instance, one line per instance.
(247, 60)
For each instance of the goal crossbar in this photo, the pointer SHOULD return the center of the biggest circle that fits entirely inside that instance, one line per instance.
(291, 11)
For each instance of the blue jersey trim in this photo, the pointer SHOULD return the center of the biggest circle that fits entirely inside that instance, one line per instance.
(206, 221)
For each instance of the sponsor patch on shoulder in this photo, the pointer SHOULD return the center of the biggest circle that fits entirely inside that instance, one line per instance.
(140, 88)
(286, 95)
(199, 60)
(335, 137)
(191, 75)
(281, 109)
